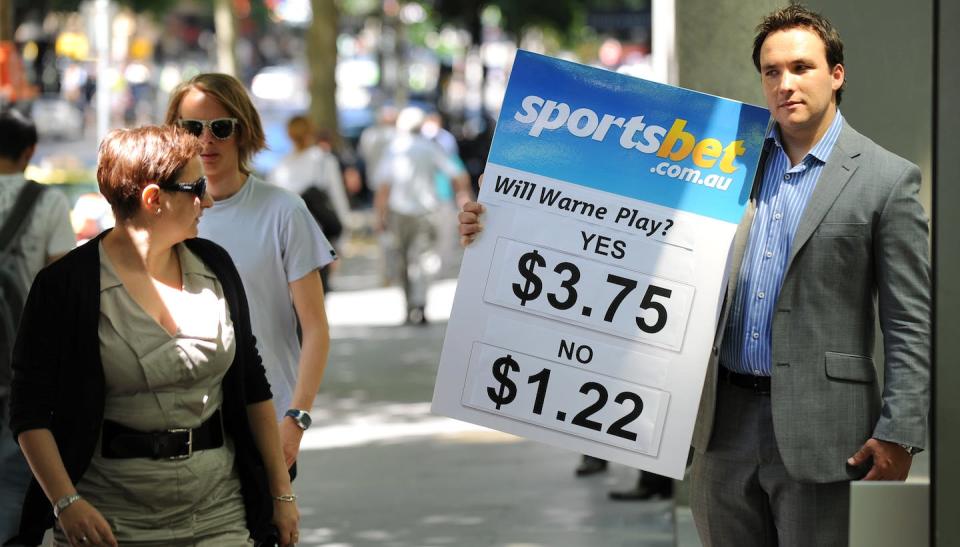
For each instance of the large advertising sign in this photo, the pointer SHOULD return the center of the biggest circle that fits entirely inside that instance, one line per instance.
(585, 311)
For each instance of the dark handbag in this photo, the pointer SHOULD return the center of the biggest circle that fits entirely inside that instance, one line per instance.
(321, 207)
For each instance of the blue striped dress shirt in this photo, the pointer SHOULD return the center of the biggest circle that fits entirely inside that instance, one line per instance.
(783, 196)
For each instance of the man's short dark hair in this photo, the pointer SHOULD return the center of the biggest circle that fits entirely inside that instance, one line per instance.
(17, 133)
(797, 16)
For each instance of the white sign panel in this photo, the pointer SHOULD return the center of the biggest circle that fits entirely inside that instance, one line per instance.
(586, 309)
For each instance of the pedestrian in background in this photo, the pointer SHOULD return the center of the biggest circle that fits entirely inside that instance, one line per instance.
(40, 233)
(275, 242)
(373, 144)
(358, 195)
(447, 245)
(314, 174)
(406, 200)
(149, 421)
(374, 141)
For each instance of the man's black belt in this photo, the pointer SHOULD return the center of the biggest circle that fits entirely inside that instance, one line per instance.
(757, 384)
(120, 441)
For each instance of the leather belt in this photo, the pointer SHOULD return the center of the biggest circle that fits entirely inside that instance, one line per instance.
(120, 441)
(757, 384)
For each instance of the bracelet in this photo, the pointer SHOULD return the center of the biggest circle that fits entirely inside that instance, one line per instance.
(289, 498)
(66, 501)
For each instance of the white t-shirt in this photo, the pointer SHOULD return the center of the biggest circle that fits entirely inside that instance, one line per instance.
(48, 231)
(374, 141)
(274, 241)
(409, 167)
(298, 171)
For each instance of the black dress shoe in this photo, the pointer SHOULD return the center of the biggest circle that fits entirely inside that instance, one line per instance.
(590, 466)
(659, 488)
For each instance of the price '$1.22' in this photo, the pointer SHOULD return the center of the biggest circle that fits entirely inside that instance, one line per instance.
(615, 423)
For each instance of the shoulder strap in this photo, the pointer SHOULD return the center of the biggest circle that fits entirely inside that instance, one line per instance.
(761, 168)
(15, 223)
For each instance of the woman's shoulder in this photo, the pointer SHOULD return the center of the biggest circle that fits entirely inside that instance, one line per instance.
(216, 259)
(207, 250)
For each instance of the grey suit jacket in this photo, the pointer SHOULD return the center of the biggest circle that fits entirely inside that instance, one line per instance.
(861, 249)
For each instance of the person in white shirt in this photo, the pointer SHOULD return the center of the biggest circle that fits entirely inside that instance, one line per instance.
(309, 168)
(308, 165)
(46, 237)
(406, 198)
(275, 242)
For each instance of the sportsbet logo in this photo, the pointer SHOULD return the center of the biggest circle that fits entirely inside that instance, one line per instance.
(675, 144)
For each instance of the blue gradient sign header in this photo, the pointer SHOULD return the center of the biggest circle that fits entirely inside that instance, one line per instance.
(661, 144)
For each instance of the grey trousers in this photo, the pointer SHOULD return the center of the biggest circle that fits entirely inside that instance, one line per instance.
(741, 494)
(415, 236)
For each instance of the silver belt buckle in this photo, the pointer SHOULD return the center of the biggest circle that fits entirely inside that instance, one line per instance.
(189, 453)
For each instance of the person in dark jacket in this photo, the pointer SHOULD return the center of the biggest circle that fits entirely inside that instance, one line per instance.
(139, 398)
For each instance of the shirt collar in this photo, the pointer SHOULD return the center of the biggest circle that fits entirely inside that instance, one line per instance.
(108, 276)
(821, 150)
(12, 178)
(190, 264)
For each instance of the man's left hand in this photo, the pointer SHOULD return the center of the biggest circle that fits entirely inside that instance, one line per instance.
(890, 461)
(290, 435)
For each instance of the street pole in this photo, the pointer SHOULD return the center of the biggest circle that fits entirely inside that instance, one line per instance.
(102, 39)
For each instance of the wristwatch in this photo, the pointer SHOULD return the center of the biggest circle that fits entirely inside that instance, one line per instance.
(63, 503)
(301, 417)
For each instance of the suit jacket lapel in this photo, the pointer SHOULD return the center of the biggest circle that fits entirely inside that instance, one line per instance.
(840, 166)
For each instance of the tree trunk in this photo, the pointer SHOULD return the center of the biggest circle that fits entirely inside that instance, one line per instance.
(6, 20)
(322, 63)
(225, 24)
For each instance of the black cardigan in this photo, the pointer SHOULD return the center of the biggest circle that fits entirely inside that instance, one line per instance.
(58, 381)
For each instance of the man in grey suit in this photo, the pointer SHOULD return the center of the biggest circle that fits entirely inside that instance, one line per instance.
(834, 235)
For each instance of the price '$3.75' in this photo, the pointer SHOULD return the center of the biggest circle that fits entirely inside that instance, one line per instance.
(589, 293)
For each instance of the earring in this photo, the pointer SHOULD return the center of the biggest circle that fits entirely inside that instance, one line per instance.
(158, 211)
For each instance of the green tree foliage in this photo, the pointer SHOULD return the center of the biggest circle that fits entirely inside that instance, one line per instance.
(517, 15)
(154, 7)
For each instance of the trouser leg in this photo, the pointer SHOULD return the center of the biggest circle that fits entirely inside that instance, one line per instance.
(402, 230)
(729, 505)
(422, 239)
(741, 493)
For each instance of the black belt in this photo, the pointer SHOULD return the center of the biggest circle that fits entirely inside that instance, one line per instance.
(120, 441)
(757, 384)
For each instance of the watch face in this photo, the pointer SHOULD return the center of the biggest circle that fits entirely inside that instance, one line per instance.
(301, 417)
